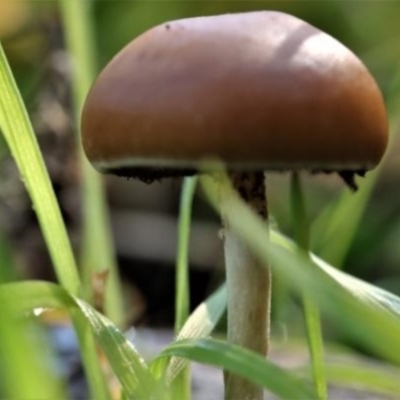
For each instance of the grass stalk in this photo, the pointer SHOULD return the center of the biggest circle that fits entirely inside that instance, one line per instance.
(182, 305)
(98, 253)
(310, 309)
(23, 145)
(181, 385)
(21, 140)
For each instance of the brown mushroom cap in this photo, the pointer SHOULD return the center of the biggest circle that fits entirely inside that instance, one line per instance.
(259, 90)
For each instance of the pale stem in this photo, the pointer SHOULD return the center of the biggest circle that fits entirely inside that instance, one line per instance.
(248, 286)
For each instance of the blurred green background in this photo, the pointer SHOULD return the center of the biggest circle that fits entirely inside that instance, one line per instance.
(144, 217)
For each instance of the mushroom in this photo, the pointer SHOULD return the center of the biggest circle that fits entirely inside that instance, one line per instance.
(259, 91)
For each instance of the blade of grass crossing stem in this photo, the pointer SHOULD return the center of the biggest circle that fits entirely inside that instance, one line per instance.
(98, 254)
(22, 142)
(242, 362)
(380, 331)
(310, 309)
(181, 386)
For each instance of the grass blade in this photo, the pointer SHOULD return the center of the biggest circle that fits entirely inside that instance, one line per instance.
(24, 375)
(377, 379)
(23, 145)
(90, 356)
(333, 233)
(200, 324)
(181, 385)
(359, 320)
(129, 367)
(367, 293)
(182, 275)
(310, 309)
(25, 150)
(241, 362)
(98, 254)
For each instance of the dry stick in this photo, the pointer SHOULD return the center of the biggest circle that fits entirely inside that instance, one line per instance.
(248, 286)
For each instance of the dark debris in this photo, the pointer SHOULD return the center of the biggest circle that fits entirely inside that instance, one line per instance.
(149, 175)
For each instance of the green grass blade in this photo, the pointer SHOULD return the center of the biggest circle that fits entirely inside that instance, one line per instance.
(182, 305)
(310, 309)
(378, 379)
(24, 148)
(42, 294)
(181, 386)
(367, 293)
(380, 331)
(23, 145)
(3, 146)
(316, 346)
(200, 324)
(334, 231)
(25, 374)
(98, 254)
(129, 367)
(241, 362)
(90, 356)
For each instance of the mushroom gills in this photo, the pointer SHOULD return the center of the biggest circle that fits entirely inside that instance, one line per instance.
(150, 175)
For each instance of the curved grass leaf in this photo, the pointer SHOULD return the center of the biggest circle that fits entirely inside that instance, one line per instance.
(200, 324)
(377, 379)
(379, 330)
(23, 145)
(242, 362)
(205, 317)
(98, 387)
(365, 292)
(130, 369)
(26, 363)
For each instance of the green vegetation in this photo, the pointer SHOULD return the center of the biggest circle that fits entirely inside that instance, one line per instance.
(347, 232)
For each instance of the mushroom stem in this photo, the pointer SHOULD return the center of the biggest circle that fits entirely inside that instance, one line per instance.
(248, 286)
